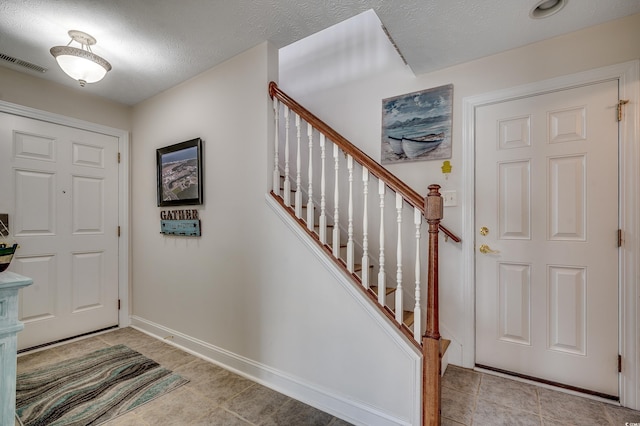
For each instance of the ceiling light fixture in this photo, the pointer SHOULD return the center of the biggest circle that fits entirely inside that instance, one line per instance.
(81, 63)
(546, 8)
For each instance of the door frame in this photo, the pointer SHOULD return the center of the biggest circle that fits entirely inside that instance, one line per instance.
(628, 75)
(124, 314)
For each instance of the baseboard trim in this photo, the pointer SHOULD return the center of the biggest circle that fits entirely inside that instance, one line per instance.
(354, 412)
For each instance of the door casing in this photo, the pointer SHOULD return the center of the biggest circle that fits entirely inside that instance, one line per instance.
(123, 190)
(628, 76)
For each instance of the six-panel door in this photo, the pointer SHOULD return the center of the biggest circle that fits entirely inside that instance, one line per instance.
(547, 191)
(60, 187)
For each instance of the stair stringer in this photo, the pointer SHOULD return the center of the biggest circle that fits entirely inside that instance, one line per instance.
(378, 318)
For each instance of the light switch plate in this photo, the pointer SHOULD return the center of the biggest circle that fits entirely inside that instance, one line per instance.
(450, 198)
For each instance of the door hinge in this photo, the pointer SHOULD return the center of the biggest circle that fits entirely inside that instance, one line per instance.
(119, 153)
(620, 238)
(118, 304)
(621, 104)
(118, 230)
(619, 363)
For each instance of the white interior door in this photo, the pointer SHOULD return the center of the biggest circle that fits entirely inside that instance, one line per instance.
(60, 188)
(547, 206)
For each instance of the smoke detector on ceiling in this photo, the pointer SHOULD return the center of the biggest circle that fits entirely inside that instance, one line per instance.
(546, 8)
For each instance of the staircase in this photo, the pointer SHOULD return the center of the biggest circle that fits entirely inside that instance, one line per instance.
(370, 223)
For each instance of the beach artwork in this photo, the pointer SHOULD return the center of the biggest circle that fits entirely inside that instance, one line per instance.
(417, 126)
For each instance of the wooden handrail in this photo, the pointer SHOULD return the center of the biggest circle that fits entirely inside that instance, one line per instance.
(408, 193)
(449, 234)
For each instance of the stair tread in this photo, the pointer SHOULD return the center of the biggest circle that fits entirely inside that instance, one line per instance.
(389, 290)
(407, 318)
(357, 267)
(291, 190)
(317, 225)
(444, 344)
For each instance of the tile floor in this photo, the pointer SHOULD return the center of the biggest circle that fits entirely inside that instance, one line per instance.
(472, 398)
(215, 396)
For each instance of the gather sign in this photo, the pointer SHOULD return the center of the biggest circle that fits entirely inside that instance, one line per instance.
(191, 214)
(184, 223)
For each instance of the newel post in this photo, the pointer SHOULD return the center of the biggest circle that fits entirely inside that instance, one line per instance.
(431, 340)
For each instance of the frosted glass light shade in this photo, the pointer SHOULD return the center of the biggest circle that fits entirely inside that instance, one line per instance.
(81, 64)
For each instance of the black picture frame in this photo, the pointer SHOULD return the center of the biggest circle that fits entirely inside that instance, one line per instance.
(179, 170)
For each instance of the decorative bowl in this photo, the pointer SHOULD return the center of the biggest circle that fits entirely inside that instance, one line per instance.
(6, 254)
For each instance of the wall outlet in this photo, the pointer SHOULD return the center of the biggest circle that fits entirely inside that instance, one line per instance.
(450, 198)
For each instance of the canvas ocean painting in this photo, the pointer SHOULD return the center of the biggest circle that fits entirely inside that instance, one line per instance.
(417, 126)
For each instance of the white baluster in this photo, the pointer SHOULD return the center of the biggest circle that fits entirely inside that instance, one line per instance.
(276, 165)
(287, 183)
(323, 201)
(298, 195)
(417, 310)
(365, 226)
(399, 290)
(310, 207)
(382, 285)
(350, 226)
(336, 199)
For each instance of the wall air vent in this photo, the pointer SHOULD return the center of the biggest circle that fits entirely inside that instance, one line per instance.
(20, 62)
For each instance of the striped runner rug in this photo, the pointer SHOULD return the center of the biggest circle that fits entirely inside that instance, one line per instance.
(91, 389)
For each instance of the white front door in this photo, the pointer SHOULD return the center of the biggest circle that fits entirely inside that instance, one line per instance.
(546, 248)
(60, 187)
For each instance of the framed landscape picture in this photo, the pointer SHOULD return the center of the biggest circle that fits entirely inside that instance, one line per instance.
(417, 126)
(180, 173)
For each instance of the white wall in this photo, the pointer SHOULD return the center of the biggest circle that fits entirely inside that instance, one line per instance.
(248, 293)
(348, 98)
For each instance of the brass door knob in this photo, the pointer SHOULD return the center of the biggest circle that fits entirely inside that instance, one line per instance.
(485, 249)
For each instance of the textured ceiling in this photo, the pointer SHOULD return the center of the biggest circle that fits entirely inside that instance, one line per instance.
(156, 44)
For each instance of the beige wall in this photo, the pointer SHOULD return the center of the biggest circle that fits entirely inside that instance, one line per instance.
(248, 290)
(26, 90)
